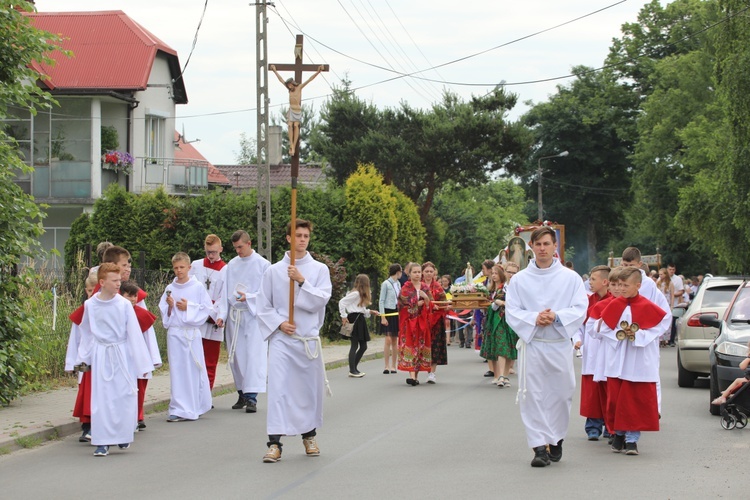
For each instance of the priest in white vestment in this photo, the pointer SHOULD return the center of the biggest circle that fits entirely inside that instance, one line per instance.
(546, 305)
(184, 307)
(112, 344)
(296, 371)
(247, 348)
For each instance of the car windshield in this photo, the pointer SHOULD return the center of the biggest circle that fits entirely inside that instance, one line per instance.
(740, 312)
(719, 296)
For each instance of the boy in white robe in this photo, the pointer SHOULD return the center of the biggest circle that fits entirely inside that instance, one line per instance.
(546, 305)
(632, 324)
(184, 307)
(631, 257)
(113, 346)
(296, 371)
(246, 346)
(72, 352)
(212, 273)
(131, 291)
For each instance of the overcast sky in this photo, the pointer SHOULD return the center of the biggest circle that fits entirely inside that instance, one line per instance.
(362, 39)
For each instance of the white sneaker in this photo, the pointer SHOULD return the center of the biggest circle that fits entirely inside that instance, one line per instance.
(431, 378)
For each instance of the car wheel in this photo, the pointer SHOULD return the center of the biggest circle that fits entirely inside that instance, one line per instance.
(685, 378)
(713, 392)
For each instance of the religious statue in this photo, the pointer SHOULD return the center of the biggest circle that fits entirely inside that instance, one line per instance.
(294, 115)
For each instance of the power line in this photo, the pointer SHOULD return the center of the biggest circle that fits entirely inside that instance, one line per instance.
(354, 22)
(406, 61)
(528, 82)
(195, 40)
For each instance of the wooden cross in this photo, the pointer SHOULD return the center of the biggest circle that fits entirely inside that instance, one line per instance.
(298, 67)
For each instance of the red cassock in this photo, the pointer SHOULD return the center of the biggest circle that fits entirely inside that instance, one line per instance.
(632, 406)
(592, 404)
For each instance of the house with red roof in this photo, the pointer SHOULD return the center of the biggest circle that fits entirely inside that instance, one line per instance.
(118, 91)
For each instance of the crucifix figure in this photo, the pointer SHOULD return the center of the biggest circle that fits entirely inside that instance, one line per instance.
(294, 115)
(208, 282)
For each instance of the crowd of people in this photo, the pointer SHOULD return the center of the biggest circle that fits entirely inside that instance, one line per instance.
(270, 316)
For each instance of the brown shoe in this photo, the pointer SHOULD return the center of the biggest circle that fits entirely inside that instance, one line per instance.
(273, 454)
(311, 447)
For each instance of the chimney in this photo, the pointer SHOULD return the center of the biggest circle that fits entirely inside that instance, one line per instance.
(274, 145)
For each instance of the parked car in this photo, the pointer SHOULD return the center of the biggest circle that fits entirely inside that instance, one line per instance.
(693, 338)
(731, 345)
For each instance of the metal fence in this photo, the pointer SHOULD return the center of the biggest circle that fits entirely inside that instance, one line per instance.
(55, 294)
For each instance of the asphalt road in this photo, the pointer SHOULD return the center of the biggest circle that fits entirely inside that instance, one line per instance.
(382, 439)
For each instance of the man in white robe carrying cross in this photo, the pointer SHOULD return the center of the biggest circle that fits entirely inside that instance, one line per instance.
(546, 305)
(296, 371)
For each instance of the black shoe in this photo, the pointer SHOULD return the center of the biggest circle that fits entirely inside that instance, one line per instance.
(393, 371)
(141, 425)
(240, 404)
(631, 448)
(461, 345)
(410, 381)
(618, 443)
(386, 372)
(489, 373)
(251, 407)
(555, 451)
(541, 457)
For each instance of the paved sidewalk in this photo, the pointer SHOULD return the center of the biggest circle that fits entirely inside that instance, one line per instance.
(43, 416)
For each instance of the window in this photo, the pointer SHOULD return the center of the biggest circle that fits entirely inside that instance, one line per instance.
(155, 134)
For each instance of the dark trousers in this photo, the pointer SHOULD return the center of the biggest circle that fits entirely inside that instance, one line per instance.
(276, 438)
(673, 333)
(356, 351)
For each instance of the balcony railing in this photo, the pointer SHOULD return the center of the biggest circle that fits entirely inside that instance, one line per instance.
(181, 174)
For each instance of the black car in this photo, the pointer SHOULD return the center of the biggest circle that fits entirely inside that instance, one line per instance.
(731, 344)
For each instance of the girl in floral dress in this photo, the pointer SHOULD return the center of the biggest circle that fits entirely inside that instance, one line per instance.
(414, 342)
(437, 321)
(499, 346)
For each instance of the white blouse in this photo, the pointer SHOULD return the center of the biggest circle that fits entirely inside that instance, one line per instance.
(350, 304)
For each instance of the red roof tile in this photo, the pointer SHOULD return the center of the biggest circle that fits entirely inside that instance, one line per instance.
(246, 176)
(186, 151)
(110, 51)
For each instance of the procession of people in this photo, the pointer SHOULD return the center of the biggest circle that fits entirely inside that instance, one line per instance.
(269, 316)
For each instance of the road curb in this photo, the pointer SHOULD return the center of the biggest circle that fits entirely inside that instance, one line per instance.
(59, 430)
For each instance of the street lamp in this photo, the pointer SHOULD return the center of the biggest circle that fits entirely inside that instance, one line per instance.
(539, 180)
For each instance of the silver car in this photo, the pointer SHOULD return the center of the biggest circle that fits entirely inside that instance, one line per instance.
(694, 339)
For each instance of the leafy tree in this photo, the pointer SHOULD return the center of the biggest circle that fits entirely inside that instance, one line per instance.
(473, 224)
(593, 119)
(410, 234)
(722, 193)
(417, 150)
(371, 222)
(660, 32)
(218, 212)
(20, 217)
(248, 153)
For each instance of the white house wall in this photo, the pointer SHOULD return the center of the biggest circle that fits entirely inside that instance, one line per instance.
(154, 101)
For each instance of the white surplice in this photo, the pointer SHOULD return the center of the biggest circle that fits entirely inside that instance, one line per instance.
(636, 361)
(545, 374)
(247, 348)
(190, 391)
(296, 375)
(215, 283)
(111, 342)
